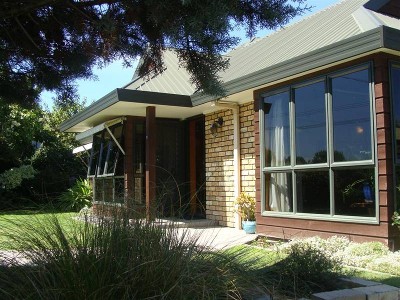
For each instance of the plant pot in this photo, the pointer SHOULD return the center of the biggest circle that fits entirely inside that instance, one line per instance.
(249, 226)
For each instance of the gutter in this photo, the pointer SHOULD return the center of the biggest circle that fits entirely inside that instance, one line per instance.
(236, 150)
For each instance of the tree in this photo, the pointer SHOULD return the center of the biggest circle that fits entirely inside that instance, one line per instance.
(47, 43)
(36, 161)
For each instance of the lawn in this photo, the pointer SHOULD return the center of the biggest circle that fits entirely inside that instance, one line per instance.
(295, 269)
(11, 221)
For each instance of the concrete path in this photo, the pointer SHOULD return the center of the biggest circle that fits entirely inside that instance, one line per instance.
(218, 237)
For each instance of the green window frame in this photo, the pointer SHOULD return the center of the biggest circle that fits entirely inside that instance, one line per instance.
(330, 121)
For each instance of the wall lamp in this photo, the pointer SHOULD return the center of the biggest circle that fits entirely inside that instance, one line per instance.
(217, 124)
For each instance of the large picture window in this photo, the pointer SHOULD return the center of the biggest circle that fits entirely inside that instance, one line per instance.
(318, 153)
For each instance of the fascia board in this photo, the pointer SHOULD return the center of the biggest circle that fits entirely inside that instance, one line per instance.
(155, 98)
(391, 38)
(104, 102)
(127, 95)
(359, 44)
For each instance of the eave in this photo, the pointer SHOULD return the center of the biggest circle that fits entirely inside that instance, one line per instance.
(122, 102)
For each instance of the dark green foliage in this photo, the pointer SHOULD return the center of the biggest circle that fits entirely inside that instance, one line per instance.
(47, 44)
(31, 137)
(80, 195)
(305, 270)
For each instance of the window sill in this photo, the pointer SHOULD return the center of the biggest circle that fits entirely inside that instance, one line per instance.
(325, 218)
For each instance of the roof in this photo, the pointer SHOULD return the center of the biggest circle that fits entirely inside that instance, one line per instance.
(348, 20)
(344, 30)
(174, 79)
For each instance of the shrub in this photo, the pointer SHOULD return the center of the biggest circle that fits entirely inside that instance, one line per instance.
(78, 197)
(305, 270)
(13, 178)
(360, 255)
(119, 259)
(246, 207)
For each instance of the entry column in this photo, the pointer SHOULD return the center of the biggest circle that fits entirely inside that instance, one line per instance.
(150, 161)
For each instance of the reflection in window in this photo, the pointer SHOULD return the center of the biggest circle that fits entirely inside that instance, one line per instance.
(277, 137)
(355, 192)
(395, 84)
(340, 105)
(310, 124)
(312, 189)
(351, 116)
(106, 166)
(279, 192)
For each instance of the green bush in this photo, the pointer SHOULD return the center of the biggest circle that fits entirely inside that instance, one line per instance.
(304, 270)
(78, 197)
(120, 259)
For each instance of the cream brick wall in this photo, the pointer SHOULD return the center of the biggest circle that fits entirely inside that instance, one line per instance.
(247, 149)
(219, 163)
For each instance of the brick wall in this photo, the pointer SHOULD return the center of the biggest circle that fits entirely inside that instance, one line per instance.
(220, 167)
(247, 150)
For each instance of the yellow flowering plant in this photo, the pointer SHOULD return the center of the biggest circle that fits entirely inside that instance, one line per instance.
(246, 207)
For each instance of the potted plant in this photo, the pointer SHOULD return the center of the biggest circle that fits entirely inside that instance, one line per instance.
(246, 207)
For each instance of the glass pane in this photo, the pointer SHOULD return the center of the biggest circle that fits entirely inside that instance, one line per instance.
(103, 152)
(310, 124)
(108, 189)
(351, 117)
(312, 190)
(119, 190)
(113, 153)
(277, 137)
(279, 192)
(98, 189)
(94, 155)
(395, 84)
(355, 192)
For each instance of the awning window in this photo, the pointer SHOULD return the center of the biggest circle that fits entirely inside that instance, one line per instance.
(106, 151)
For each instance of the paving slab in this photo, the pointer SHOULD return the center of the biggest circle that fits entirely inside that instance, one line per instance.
(218, 237)
(380, 292)
(346, 294)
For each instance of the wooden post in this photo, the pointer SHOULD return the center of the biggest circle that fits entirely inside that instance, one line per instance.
(150, 161)
(192, 167)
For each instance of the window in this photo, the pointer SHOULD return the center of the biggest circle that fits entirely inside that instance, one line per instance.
(106, 165)
(318, 153)
(395, 96)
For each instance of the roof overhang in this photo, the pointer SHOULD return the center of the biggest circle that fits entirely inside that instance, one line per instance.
(376, 39)
(125, 102)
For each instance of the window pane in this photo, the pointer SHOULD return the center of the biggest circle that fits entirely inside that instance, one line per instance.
(276, 122)
(395, 84)
(94, 157)
(312, 188)
(351, 117)
(113, 153)
(279, 192)
(355, 192)
(310, 124)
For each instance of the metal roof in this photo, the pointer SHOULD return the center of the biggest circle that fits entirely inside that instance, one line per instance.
(346, 21)
(173, 80)
(342, 31)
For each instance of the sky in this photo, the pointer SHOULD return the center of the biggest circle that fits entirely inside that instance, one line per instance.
(115, 75)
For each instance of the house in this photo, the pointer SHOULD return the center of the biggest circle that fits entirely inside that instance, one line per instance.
(310, 127)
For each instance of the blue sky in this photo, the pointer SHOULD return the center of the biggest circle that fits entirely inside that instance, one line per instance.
(115, 75)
